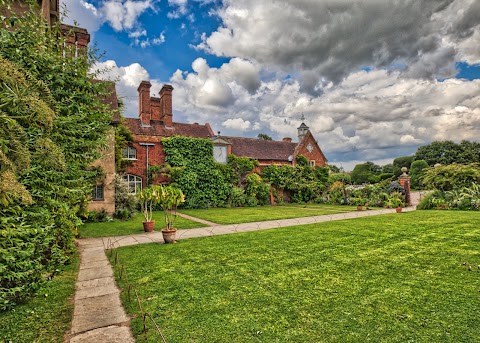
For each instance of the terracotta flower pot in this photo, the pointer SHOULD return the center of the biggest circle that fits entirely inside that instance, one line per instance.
(398, 209)
(169, 236)
(359, 208)
(148, 226)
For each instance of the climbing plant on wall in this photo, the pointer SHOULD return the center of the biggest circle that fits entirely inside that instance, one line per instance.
(302, 182)
(196, 172)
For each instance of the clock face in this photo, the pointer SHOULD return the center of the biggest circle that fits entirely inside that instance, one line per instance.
(309, 147)
(220, 153)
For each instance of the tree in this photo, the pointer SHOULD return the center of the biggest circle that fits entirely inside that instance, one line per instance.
(264, 136)
(362, 173)
(388, 168)
(443, 152)
(416, 172)
(400, 162)
(335, 169)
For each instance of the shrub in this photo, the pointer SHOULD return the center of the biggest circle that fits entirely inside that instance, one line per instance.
(416, 172)
(125, 203)
(450, 177)
(237, 197)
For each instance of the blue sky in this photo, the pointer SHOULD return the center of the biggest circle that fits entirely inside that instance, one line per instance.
(375, 79)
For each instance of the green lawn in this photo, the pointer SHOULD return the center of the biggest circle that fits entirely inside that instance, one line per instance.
(132, 226)
(262, 213)
(389, 278)
(45, 317)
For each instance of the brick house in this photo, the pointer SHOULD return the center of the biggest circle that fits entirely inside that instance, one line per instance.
(155, 121)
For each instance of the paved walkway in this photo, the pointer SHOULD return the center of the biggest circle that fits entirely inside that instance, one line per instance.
(216, 229)
(99, 316)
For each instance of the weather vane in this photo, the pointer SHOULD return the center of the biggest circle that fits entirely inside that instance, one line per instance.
(303, 117)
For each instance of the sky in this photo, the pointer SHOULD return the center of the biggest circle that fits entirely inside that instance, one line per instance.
(375, 79)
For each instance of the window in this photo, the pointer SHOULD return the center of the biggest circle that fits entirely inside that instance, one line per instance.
(220, 153)
(134, 183)
(312, 163)
(97, 193)
(129, 153)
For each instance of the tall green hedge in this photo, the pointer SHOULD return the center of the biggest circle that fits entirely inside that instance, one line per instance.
(52, 126)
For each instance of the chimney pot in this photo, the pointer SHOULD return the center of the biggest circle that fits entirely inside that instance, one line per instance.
(287, 139)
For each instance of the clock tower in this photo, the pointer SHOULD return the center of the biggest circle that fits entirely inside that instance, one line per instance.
(302, 129)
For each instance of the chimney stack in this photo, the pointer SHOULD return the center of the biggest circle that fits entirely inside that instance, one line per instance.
(166, 105)
(144, 102)
(287, 139)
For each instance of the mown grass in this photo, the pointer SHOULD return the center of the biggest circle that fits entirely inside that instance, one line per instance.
(45, 317)
(389, 278)
(262, 213)
(131, 226)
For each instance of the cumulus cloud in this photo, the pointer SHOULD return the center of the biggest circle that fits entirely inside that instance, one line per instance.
(180, 8)
(374, 79)
(370, 115)
(121, 15)
(237, 123)
(82, 13)
(330, 39)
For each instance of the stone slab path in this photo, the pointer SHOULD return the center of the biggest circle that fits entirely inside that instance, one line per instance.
(99, 316)
(156, 237)
(198, 220)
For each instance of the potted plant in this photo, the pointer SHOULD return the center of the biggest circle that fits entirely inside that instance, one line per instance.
(169, 197)
(395, 202)
(360, 202)
(148, 197)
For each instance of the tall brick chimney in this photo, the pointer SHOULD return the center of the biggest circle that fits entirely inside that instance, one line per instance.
(144, 102)
(76, 40)
(166, 105)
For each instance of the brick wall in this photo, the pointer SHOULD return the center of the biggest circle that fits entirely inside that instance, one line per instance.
(156, 156)
(316, 154)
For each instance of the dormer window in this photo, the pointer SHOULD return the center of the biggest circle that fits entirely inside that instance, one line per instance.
(129, 153)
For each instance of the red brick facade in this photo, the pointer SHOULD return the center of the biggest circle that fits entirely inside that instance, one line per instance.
(316, 155)
(155, 121)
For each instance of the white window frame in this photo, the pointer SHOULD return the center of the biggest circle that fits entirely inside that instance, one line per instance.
(129, 153)
(134, 183)
(312, 163)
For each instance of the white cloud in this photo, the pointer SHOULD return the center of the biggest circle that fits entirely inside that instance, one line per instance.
(123, 15)
(137, 33)
(331, 39)
(237, 123)
(180, 8)
(159, 40)
(369, 116)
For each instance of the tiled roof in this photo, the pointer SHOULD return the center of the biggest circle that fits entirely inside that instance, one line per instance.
(261, 149)
(157, 128)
